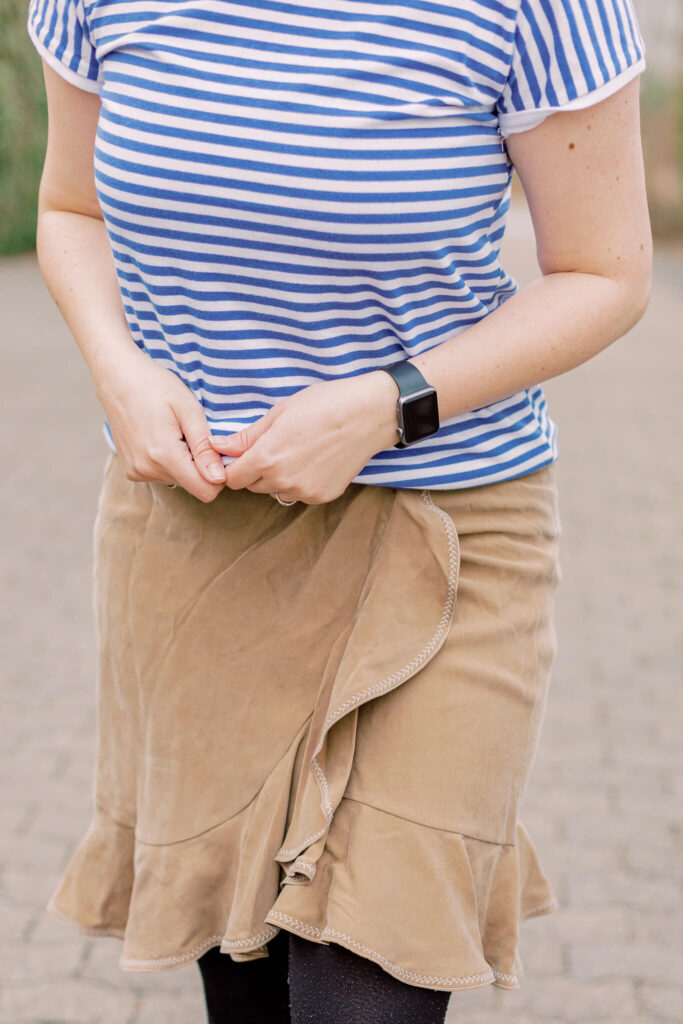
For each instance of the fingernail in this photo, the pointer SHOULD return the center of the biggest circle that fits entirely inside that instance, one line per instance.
(214, 473)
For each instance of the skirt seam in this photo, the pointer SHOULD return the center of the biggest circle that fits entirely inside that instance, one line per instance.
(218, 824)
(422, 824)
(119, 824)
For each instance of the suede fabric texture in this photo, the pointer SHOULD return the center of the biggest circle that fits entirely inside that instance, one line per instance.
(320, 719)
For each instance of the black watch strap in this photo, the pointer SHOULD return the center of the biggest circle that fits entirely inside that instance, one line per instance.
(407, 376)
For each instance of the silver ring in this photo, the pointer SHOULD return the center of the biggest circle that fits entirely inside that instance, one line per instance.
(281, 502)
(171, 486)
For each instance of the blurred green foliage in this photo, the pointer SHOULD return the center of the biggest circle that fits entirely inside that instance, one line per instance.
(662, 132)
(23, 129)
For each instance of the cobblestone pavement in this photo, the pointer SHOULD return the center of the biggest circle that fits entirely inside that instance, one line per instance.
(604, 800)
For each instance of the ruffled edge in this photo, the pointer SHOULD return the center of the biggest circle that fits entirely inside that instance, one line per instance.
(474, 895)
(491, 976)
(518, 891)
(298, 856)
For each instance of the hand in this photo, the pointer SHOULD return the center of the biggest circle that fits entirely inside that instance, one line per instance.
(159, 428)
(310, 446)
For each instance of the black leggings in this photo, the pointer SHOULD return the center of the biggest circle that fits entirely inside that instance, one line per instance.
(304, 982)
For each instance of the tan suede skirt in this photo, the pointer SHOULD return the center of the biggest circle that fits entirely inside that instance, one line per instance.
(319, 718)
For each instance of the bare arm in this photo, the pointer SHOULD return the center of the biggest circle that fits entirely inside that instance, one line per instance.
(148, 408)
(582, 172)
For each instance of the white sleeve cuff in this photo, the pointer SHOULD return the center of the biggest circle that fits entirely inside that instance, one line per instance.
(525, 120)
(88, 84)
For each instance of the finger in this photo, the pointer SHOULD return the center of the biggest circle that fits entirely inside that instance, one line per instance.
(242, 440)
(183, 471)
(260, 486)
(142, 468)
(284, 499)
(244, 471)
(194, 426)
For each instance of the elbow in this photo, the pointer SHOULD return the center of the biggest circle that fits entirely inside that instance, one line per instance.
(633, 283)
(637, 292)
(54, 199)
(641, 277)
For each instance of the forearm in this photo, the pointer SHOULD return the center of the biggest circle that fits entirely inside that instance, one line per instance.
(76, 263)
(159, 427)
(547, 328)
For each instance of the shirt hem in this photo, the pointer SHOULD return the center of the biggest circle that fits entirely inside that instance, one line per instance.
(497, 476)
(524, 120)
(81, 81)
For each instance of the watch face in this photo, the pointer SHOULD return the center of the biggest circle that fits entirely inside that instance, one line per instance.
(420, 416)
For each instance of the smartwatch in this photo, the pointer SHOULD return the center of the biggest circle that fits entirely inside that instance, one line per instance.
(417, 408)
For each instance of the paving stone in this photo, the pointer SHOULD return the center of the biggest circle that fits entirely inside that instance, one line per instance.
(660, 1002)
(575, 780)
(186, 1009)
(54, 823)
(565, 999)
(652, 894)
(17, 921)
(49, 930)
(25, 964)
(102, 964)
(590, 926)
(24, 851)
(17, 814)
(661, 930)
(70, 1001)
(28, 886)
(603, 859)
(656, 858)
(540, 952)
(635, 961)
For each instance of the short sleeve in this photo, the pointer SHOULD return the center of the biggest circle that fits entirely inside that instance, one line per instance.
(59, 32)
(568, 54)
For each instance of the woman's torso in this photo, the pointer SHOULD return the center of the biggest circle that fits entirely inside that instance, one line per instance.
(298, 191)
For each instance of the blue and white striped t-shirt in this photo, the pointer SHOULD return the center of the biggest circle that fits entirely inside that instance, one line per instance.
(298, 191)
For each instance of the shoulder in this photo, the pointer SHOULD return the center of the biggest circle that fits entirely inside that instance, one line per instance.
(568, 54)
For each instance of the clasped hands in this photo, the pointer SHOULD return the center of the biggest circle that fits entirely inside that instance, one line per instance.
(308, 447)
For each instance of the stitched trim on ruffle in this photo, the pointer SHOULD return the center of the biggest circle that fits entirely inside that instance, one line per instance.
(425, 654)
(541, 908)
(304, 868)
(390, 681)
(253, 942)
(174, 961)
(410, 976)
(256, 940)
